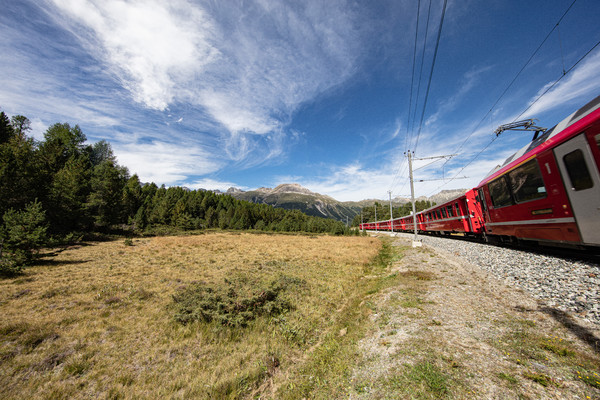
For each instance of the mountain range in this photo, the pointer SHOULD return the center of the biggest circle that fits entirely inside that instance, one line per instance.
(292, 196)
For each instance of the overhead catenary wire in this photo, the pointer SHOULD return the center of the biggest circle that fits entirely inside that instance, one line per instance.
(412, 79)
(412, 131)
(399, 172)
(437, 44)
(556, 25)
(516, 76)
(524, 111)
(558, 80)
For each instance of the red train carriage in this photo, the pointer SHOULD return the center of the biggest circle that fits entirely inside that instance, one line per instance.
(459, 215)
(549, 191)
(448, 217)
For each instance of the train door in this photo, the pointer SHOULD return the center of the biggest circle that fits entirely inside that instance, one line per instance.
(582, 181)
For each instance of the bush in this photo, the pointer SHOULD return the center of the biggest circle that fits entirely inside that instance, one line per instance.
(22, 235)
(235, 304)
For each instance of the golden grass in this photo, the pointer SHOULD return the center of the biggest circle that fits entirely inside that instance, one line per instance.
(96, 322)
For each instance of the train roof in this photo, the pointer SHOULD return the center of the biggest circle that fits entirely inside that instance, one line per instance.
(549, 134)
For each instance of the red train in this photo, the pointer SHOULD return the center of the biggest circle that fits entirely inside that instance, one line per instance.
(547, 192)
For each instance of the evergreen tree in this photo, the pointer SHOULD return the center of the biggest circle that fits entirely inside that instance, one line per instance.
(20, 177)
(21, 236)
(132, 198)
(61, 142)
(6, 129)
(105, 200)
(69, 191)
(21, 125)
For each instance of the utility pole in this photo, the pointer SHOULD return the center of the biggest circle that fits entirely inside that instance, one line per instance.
(391, 215)
(409, 154)
(375, 216)
(416, 242)
(361, 221)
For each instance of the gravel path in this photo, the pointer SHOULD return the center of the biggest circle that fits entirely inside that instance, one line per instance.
(568, 285)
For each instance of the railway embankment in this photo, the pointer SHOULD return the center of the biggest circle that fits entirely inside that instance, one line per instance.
(453, 327)
(568, 285)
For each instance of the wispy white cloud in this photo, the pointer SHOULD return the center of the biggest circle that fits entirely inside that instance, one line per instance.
(170, 164)
(582, 83)
(248, 64)
(150, 45)
(242, 68)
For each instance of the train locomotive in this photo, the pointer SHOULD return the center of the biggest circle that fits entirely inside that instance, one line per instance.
(547, 192)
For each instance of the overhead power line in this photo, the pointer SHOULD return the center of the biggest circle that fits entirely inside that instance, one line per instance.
(437, 44)
(516, 76)
(412, 79)
(524, 111)
(509, 86)
(558, 80)
(412, 131)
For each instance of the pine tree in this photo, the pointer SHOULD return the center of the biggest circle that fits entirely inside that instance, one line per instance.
(22, 234)
(6, 129)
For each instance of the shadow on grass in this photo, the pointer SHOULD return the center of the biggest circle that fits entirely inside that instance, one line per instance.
(52, 262)
(581, 332)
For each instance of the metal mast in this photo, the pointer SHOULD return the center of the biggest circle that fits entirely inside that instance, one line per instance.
(376, 217)
(391, 215)
(416, 242)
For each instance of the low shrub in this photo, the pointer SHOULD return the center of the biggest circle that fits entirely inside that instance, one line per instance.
(234, 303)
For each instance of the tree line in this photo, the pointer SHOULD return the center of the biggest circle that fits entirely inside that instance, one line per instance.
(61, 188)
(383, 211)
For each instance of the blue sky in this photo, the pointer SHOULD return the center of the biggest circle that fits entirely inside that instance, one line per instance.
(213, 94)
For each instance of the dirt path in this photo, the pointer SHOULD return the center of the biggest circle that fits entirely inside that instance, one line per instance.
(449, 330)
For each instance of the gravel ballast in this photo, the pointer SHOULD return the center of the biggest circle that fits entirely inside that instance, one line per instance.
(569, 285)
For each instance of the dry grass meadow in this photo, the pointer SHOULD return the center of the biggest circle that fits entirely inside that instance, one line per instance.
(97, 321)
(255, 316)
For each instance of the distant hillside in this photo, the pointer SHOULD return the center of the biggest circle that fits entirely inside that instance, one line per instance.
(292, 196)
(295, 197)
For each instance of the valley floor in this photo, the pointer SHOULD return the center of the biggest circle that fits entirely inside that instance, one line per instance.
(239, 315)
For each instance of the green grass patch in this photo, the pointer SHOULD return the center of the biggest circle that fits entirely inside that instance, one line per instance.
(555, 346)
(508, 378)
(326, 372)
(423, 380)
(542, 379)
(590, 378)
(428, 373)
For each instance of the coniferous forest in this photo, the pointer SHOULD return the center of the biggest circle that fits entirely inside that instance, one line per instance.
(62, 189)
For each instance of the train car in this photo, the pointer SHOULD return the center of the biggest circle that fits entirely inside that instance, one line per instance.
(459, 215)
(549, 191)
(449, 217)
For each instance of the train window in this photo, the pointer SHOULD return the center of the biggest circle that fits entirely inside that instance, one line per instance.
(458, 213)
(499, 193)
(444, 215)
(449, 208)
(437, 214)
(578, 170)
(597, 137)
(526, 182)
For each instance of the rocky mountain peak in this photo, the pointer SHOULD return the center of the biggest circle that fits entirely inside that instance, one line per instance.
(291, 188)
